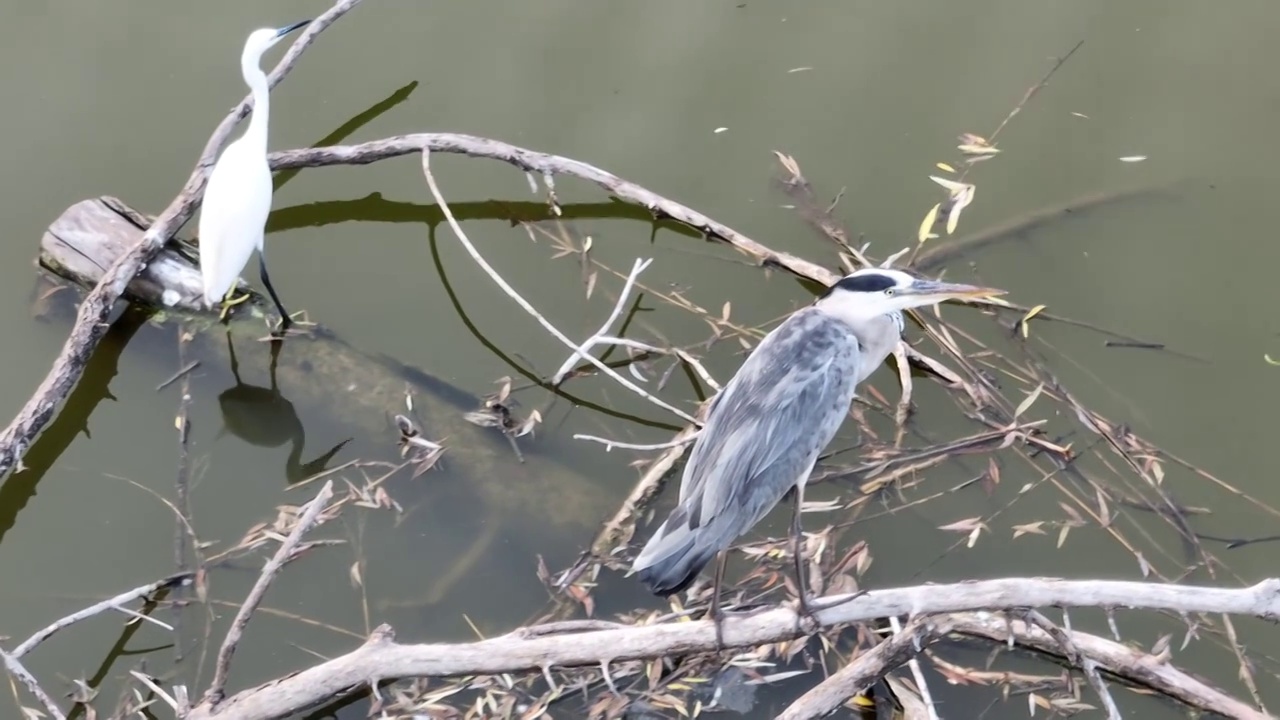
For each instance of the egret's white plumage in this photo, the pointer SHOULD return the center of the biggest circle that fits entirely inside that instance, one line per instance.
(237, 199)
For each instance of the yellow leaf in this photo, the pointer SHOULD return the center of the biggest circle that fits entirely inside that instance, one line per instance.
(945, 167)
(926, 225)
(1030, 314)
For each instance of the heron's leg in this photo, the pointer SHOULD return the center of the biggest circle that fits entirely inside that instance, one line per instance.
(715, 613)
(797, 554)
(285, 320)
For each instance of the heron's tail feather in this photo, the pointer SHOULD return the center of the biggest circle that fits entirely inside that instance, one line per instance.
(674, 556)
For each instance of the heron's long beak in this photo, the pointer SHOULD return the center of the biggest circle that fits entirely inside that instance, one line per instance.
(286, 30)
(935, 291)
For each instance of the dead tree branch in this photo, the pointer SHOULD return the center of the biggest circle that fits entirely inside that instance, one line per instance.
(546, 165)
(1118, 659)
(511, 292)
(381, 657)
(16, 669)
(269, 571)
(864, 670)
(116, 603)
(91, 321)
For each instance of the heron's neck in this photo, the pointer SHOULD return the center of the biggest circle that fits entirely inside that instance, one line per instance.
(257, 82)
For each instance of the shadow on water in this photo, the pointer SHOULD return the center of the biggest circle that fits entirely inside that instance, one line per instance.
(346, 129)
(73, 418)
(264, 417)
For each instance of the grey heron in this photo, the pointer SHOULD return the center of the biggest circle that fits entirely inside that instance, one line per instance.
(763, 432)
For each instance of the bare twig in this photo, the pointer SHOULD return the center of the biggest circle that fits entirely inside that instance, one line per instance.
(858, 675)
(618, 529)
(272, 568)
(609, 445)
(115, 603)
(91, 320)
(15, 668)
(601, 334)
(918, 673)
(511, 292)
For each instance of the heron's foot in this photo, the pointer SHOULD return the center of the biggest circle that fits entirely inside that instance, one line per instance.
(229, 302)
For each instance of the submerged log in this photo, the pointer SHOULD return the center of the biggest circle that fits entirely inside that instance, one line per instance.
(320, 371)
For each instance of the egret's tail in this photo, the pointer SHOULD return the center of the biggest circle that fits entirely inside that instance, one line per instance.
(675, 555)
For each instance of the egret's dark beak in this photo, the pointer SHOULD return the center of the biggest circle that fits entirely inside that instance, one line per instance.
(938, 291)
(286, 30)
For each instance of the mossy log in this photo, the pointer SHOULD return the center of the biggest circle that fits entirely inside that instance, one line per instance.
(319, 371)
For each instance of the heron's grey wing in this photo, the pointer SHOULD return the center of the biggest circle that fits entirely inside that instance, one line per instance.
(781, 409)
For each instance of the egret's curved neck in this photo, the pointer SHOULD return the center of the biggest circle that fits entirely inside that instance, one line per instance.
(257, 82)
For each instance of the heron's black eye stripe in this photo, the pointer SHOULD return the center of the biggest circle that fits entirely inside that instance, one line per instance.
(871, 282)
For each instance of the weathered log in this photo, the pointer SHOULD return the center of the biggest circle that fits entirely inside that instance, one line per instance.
(320, 372)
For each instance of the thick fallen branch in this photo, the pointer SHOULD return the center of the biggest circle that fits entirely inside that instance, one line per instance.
(864, 670)
(528, 649)
(1125, 662)
(91, 322)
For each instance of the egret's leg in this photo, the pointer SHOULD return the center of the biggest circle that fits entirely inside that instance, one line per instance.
(285, 320)
(797, 553)
(715, 613)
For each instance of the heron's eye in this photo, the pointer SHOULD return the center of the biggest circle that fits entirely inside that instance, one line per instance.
(888, 292)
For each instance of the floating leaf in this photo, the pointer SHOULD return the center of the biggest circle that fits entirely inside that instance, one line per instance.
(977, 149)
(945, 167)
(1029, 528)
(1133, 158)
(966, 525)
(1025, 404)
(1026, 331)
(926, 225)
(1080, 115)
(955, 187)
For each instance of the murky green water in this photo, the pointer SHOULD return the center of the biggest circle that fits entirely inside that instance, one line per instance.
(866, 96)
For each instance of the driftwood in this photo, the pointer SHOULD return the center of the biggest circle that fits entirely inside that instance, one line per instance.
(560, 644)
(321, 371)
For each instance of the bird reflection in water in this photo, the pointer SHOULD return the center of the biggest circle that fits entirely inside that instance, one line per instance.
(263, 417)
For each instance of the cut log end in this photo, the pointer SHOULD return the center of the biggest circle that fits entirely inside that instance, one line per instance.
(92, 234)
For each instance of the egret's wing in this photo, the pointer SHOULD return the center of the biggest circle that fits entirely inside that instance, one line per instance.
(233, 214)
(778, 412)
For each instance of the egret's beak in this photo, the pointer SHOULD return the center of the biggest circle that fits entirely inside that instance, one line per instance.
(286, 30)
(934, 291)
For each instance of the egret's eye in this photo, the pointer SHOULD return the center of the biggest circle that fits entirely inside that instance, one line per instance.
(888, 292)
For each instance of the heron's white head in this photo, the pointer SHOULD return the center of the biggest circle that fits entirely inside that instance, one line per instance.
(871, 292)
(261, 40)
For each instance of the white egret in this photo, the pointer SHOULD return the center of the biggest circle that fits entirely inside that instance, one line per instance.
(237, 199)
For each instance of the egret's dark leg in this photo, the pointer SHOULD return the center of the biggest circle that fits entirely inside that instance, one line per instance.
(285, 320)
(715, 613)
(797, 553)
